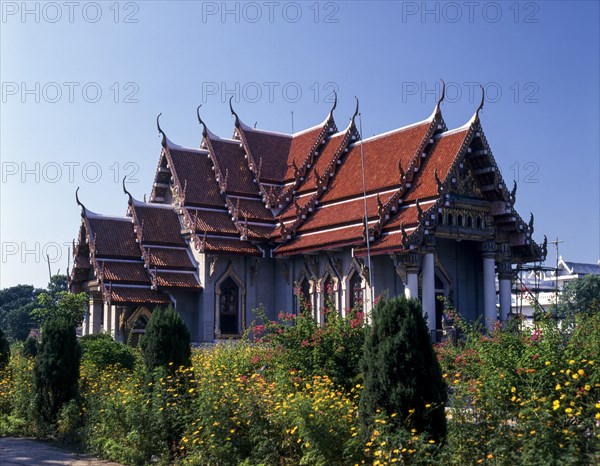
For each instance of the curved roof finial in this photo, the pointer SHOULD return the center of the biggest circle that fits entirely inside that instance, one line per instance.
(164, 136)
(237, 118)
(204, 130)
(356, 110)
(125, 189)
(482, 100)
(77, 199)
(443, 95)
(334, 102)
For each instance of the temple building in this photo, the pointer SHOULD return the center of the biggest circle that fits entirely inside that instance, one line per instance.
(256, 218)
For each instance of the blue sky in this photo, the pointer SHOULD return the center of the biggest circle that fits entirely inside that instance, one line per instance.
(82, 84)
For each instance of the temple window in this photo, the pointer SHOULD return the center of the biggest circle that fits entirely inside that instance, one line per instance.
(229, 307)
(469, 222)
(440, 218)
(356, 291)
(450, 219)
(479, 222)
(460, 220)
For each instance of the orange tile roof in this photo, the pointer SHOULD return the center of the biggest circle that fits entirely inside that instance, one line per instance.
(112, 237)
(124, 272)
(160, 224)
(171, 258)
(131, 295)
(382, 154)
(194, 171)
(168, 279)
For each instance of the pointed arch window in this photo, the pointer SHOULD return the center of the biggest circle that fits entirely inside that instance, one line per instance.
(356, 291)
(302, 294)
(229, 303)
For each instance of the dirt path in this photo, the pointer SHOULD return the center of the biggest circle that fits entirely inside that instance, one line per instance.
(25, 452)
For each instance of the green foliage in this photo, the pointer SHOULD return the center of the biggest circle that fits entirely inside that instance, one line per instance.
(30, 347)
(402, 376)
(63, 304)
(333, 349)
(580, 296)
(16, 303)
(103, 351)
(56, 369)
(166, 341)
(525, 395)
(4, 350)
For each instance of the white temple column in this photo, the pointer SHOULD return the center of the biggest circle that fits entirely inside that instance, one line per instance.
(114, 322)
(411, 288)
(505, 295)
(489, 285)
(86, 318)
(106, 321)
(428, 298)
(95, 315)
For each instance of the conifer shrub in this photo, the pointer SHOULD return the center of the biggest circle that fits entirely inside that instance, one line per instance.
(4, 350)
(402, 376)
(56, 369)
(30, 347)
(166, 342)
(103, 351)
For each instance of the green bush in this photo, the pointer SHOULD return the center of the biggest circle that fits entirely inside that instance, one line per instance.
(4, 350)
(30, 347)
(402, 376)
(103, 351)
(56, 369)
(166, 342)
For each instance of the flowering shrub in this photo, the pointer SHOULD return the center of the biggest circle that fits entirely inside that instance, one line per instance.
(517, 396)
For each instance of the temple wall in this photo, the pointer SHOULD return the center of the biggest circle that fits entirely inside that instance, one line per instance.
(463, 261)
(188, 306)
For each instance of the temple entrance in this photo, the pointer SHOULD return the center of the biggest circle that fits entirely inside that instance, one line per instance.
(229, 307)
(136, 325)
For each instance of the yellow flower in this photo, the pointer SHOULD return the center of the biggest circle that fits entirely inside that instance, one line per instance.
(558, 387)
(555, 405)
(568, 410)
(513, 389)
(490, 456)
(581, 372)
(547, 363)
(532, 432)
(575, 376)
(571, 362)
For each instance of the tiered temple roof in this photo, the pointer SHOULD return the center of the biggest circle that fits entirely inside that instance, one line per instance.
(264, 193)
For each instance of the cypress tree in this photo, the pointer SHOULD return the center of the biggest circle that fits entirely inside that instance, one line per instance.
(4, 350)
(401, 371)
(30, 347)
(167, 340)
(56, 369)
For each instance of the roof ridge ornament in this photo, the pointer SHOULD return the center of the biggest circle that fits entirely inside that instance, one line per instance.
(481, 103)
(237, 118)
(355, 111)
(164, 136)
(335, 100)
(77, 199)
(125, 190)
(442, 96)
(205, 129)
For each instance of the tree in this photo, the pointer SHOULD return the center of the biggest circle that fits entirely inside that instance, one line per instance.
(402, 375)
(65, 304)
(167, 340)
(581, 295)
(4, 350)
(16, 303)
(56, 369)
(30, 347)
